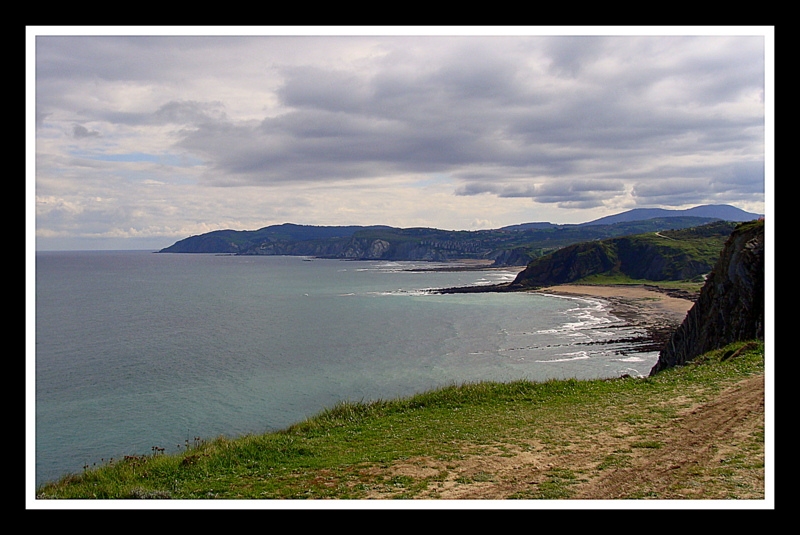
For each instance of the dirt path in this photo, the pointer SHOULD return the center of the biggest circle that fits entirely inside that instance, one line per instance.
(696, 458)
(693, 449)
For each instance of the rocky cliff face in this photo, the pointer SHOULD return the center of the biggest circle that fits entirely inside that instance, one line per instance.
(661, 256)
(731, 304)
(567, 265)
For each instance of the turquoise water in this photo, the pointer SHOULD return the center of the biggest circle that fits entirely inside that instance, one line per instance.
(135, 349)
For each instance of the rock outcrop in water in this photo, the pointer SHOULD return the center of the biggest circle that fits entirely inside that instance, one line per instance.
(730, 307)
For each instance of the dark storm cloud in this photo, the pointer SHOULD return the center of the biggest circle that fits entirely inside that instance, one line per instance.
(565, 193)
(367, 125)
(79, 132)
(189, 112)
(734, 182)
(314, 88)
(129, 58)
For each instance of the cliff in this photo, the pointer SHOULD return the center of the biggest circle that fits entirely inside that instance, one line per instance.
(656, 256)
(730, 307)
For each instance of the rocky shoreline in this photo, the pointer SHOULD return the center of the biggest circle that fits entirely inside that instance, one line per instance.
(657, 311)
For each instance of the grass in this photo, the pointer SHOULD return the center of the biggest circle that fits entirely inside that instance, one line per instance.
(414, 447)
(615, 278)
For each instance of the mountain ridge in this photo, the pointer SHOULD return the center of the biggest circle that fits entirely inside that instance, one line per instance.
(516, 245)
(716, 211)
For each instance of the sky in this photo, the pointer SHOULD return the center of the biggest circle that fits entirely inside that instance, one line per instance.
(139, 137)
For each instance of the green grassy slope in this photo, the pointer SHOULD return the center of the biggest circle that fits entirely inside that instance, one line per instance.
(670, 255)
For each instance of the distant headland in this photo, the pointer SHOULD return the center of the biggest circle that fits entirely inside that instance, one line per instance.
(515, 245)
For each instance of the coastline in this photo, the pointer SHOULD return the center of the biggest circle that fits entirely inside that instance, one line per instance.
(658, 313)
(468, 264)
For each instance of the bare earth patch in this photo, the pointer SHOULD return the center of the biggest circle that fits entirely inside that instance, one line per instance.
(692, 456)
(693, 450)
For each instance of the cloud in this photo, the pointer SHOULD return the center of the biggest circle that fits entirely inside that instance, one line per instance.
(565, 122)
(79, 132)
(732, 182)
(564, 193)
(189, 112)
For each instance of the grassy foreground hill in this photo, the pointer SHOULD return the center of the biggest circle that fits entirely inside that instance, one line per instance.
(691, 432)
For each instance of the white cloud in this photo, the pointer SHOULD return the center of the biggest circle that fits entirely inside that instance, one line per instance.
(181, 133)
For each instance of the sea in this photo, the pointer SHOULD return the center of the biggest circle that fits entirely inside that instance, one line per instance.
(137, 350)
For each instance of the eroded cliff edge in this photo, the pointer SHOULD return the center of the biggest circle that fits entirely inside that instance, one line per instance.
(730, 307)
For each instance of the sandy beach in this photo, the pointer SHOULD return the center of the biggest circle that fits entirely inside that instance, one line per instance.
(638, 297)
(657, 312)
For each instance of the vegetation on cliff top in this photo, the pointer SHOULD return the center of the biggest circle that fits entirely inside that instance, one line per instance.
(669, 255)
(730, 306)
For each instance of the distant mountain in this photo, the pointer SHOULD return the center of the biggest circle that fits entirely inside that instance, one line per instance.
(237, 241)
(528, 226)
(724, 212)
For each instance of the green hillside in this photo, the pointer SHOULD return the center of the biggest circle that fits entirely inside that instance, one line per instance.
(669, 255)
(502, 246)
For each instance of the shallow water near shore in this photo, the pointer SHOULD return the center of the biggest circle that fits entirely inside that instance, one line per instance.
(136, 350)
